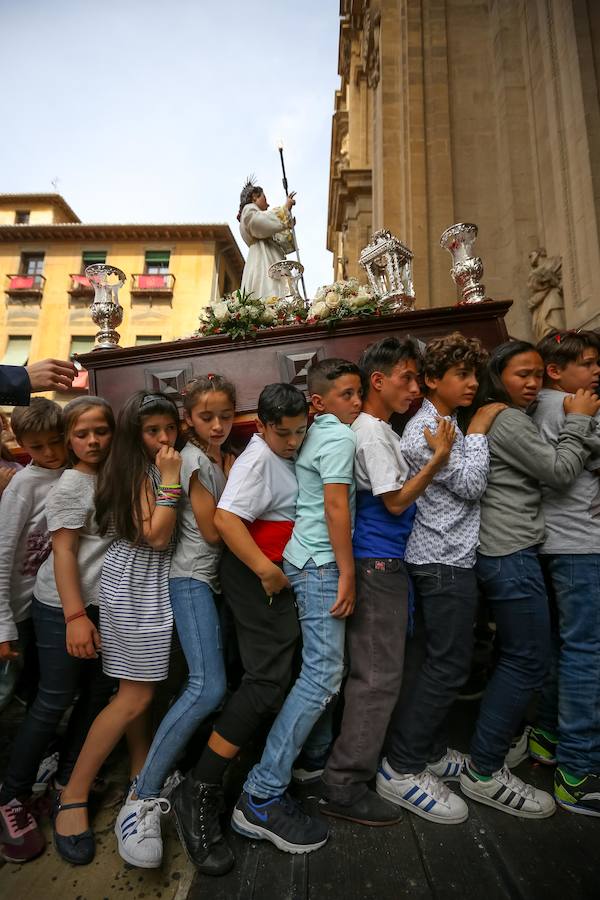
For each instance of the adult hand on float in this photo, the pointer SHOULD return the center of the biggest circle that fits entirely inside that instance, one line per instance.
(51, 375)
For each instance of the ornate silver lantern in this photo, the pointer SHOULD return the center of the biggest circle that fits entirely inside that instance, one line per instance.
(289, 271)
(388, 264)
(467, 269)
(106, 310)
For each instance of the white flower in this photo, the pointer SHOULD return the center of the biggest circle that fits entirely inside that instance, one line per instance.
(319, 309)
(220, 311)
(332, 300)
(360, 299)
(268, 315)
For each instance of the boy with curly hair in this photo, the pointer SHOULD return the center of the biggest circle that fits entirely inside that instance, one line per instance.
(440, 555)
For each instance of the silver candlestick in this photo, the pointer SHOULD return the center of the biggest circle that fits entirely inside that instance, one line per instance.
(388, 264)
(467, 269)
(106, 310)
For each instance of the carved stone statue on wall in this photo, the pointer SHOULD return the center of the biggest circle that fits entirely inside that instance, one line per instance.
(545, 293)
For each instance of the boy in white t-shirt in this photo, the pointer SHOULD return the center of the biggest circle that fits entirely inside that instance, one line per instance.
(255, 517)
(376, 633)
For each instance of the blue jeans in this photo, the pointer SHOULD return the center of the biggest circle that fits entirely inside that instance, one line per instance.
(514, 587)
(61, 677)
(319, 680)
(571, 698)
(197, 622)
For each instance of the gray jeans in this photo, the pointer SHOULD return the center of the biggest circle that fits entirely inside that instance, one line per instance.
(375, 636)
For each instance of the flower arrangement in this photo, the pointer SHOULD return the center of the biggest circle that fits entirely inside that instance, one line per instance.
(343, 299)
(240, 315)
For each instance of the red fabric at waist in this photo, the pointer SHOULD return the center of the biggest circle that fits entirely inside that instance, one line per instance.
(271, 537)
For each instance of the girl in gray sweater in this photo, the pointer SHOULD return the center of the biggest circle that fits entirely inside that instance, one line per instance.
(508, 567)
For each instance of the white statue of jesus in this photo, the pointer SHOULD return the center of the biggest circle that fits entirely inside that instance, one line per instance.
(267, 232)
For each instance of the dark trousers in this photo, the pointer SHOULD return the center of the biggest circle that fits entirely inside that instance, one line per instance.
(267, 635)
(514, 587)
(61, 677)
(375, 638)
(437, 664)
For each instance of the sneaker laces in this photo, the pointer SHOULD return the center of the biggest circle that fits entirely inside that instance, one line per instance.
(451, 756)
(207, 811)
(148, 818)
(293, 809)
(506, 777)
(432, 784)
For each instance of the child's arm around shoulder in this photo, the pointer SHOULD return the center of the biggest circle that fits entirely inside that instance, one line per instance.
(158, 521)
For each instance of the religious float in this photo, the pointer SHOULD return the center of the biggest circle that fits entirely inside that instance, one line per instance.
(256, 341)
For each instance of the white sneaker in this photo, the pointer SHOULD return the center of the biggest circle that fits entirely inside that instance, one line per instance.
(519, 749)
(138, 831)
(507, 792)
(47, 768)
(448, 768)
(423, 794)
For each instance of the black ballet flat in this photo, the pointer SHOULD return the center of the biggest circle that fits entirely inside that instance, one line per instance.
(77, 849)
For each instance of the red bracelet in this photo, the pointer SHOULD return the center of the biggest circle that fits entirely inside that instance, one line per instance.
(74, 616)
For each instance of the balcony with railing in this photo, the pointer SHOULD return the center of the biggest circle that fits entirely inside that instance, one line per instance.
(152, 287)
(25, 287)
(80, 285)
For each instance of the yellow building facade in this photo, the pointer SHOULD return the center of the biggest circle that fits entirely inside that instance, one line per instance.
(173, 272)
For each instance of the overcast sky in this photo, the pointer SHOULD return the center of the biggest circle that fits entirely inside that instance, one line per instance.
(154, 111)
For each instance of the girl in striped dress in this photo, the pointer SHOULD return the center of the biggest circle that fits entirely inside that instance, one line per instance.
(137, 503)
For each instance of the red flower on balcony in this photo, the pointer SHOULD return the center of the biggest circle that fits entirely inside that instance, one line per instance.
(80, 281)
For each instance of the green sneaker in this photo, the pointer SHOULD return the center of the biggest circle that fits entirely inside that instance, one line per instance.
(577, 795)
(542, 746)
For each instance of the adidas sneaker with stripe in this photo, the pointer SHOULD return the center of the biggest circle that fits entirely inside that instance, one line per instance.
(138, 831)
(424, 794)
(449, 767)
(506, 792)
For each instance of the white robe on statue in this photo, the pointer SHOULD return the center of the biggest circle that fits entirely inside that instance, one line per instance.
(257, 228)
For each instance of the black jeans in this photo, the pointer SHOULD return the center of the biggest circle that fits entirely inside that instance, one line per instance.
(437, 664)
(61, 677)
(267, 635)
(375, 638)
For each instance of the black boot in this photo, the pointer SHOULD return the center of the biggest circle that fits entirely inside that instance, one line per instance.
(197, 807)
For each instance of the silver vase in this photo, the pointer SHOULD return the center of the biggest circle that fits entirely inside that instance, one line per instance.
(467, 270)
(106, 311)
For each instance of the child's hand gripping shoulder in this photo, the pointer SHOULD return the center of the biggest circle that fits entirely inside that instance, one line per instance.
(584, 403)
(441, 442)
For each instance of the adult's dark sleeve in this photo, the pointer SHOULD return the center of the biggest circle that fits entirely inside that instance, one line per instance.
(15, 387)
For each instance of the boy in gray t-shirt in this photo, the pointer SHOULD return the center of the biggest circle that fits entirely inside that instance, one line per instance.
(568, 727)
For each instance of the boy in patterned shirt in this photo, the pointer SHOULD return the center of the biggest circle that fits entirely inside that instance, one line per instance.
(440, 555)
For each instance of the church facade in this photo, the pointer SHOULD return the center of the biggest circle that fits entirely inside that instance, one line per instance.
(481, 111)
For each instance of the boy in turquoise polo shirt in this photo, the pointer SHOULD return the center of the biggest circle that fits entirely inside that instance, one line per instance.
(319, 565)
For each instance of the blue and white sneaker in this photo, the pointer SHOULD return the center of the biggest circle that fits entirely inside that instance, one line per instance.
(280, 821)
(45, 772)
(138, 831)
(448, 768)
(424, 794)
